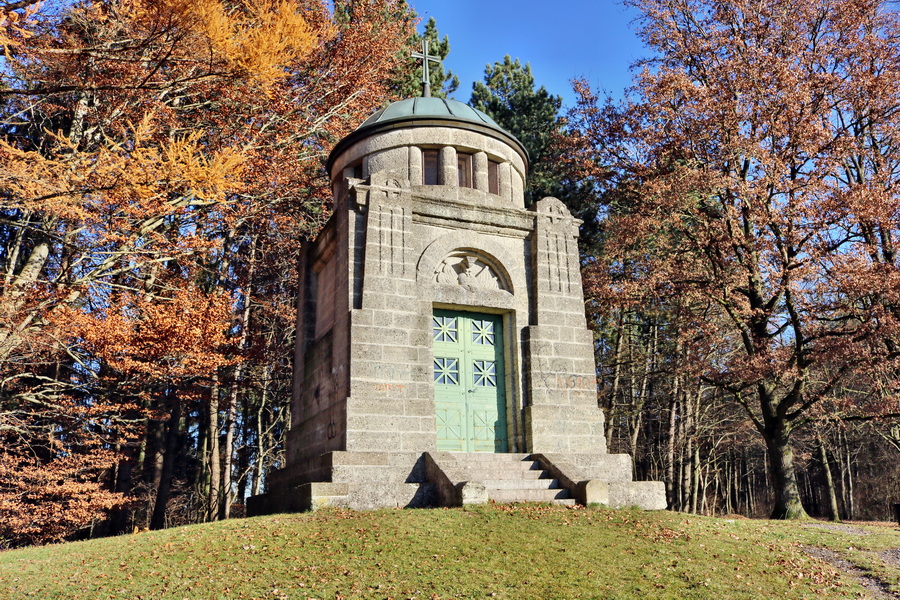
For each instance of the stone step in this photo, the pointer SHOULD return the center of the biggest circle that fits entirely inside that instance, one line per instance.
(520, 495)
(320, 502)
(524, 465)
(359, 473)
(520, 484)
(488, 456)
(481, 473)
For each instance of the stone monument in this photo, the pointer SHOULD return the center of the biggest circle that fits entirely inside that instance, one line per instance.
(442, 355)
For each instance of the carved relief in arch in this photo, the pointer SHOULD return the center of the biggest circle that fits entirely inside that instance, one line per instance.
(508, 268)
(471, 270)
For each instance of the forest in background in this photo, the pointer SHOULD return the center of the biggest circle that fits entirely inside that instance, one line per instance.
(162, 163)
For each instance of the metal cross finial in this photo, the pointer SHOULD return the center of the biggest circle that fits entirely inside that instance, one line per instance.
(426, 76)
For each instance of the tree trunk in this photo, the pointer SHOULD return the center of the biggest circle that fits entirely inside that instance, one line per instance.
(847, 479)
(829, 482)
(729, 475)
(687, 440)
(158, 519)
(784, 477)
(671, 488)
(202, 477)
(695, 483)
(228, 453)
(717, 474)
(118, 520)
(213, 465)
(231, 418)
(670, 449)
(703, 503)
(617, 374)
(751, 487)
(151, 464)
(261, 428)
(640, 399)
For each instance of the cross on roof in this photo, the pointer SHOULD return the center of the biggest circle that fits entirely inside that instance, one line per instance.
(426, 76)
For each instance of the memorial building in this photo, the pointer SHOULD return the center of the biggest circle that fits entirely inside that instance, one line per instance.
(442, 355)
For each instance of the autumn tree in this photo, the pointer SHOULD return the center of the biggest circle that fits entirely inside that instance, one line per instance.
(751, 181)
(156, 153)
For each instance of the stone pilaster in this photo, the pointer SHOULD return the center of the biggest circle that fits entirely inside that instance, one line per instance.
(389, 407)
(562, 414)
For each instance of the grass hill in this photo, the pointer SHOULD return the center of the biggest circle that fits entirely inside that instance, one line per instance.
(496, 551)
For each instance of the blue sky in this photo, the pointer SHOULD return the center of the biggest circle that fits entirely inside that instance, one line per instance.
(562, 39)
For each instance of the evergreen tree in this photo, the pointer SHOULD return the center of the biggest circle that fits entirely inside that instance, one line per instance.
(509, 97)
(408, 80)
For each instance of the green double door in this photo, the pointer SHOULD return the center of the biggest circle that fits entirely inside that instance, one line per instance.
(469, 381)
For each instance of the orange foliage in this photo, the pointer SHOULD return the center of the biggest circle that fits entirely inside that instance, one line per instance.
(754, 191)
(161, 338)
(145, 144)
(47, 501)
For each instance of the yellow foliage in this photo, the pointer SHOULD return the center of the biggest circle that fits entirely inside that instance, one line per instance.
(254, 39)
(139, 181)
(15, 25)
(272, 35)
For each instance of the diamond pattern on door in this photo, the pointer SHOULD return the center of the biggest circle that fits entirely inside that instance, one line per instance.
(446, 371)
(485, 373)
(483, 332)
(444, 329)
(469, 385)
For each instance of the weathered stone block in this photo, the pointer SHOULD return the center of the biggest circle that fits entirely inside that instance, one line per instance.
(400, 353)
(592, 491)
(471, 492)
(317, 495)
(396, 422)
(648, 495)
(415, 407)
(383, 335)
(365, 352)
(422, 442)
(374, 301)
(360, 458)
(608, 467)
(367, 441)
(370, 406)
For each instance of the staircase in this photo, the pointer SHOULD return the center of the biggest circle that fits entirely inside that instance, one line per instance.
(505, 477)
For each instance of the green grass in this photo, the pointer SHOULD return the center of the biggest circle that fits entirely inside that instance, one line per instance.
(511, 551)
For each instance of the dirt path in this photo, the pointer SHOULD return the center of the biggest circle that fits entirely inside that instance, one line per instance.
(838, 527)
(878, 590)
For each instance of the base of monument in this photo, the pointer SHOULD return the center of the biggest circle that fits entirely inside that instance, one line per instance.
(371, 480)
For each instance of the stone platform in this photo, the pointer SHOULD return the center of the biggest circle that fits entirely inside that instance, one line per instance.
(370, 480)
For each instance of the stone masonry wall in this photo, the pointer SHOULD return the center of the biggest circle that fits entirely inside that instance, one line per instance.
(320, 373)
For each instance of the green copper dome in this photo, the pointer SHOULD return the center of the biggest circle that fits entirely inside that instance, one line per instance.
(427, 112)
(429, 108)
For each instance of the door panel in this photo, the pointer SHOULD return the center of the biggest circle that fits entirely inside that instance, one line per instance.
(469, 382)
